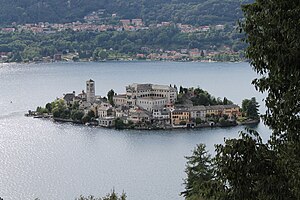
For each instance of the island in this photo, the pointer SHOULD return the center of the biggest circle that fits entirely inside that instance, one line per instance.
(149, 107)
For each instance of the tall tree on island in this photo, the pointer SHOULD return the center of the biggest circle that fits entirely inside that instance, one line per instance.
(110, 96)
(247, 168)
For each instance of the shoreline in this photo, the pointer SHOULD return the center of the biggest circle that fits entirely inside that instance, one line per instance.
(133, 60)
(93, 124)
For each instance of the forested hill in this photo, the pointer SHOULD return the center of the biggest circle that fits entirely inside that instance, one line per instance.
(194, 12)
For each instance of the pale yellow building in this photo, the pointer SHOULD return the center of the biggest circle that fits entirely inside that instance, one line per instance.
(180, 117)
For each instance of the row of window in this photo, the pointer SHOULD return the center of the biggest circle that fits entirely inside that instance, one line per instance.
(180, 113)
(154, 103)
(179, 117)
(142, 91)
(153, 95)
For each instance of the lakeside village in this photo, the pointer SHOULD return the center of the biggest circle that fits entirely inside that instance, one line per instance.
(148, 107)
(95, 23)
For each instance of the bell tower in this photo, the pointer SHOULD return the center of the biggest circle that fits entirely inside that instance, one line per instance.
(90, 91)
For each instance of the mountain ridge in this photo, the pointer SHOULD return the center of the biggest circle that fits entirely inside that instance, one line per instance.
(194, 12)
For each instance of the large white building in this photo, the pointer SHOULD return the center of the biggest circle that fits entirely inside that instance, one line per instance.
(136, 91)
(150, 103)
(147, 96)
(197, 112)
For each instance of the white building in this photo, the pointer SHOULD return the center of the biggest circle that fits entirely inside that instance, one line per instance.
(138, 115)
(197, 112)
(106, 121)
(149, 103)
(105, 110)
(161, 113)
(137, 91)
(120, 100)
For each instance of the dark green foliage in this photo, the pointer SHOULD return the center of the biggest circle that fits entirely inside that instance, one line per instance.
(60, 109)
(250, 108)
(243, 168)
(91, 114)
(202, 97)
(16, 57)
(198, 121)
(246, 168)
(41, 110)
(112, 196)
(49, 107)
(77, 115)
(201, 12)
(100, 54)
(88, 117)
(110, 96)
(75, 105)
(109, 45)
(225, 101)
(119, 124)
(274, 51)
(182, 123)
(200, 175)
(180, 90)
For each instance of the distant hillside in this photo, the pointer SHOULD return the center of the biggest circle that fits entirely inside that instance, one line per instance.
(195, 12)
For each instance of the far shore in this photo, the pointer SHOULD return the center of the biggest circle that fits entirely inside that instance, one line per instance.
(133, 60)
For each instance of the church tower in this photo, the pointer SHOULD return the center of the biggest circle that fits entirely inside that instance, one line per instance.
(90, 91)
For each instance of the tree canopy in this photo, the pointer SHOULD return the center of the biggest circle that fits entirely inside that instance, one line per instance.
(250, 108)
(246, 167)
(107, 45)
(194, 12)
(111, 196)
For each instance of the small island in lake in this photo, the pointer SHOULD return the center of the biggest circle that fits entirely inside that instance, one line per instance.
(148, 107)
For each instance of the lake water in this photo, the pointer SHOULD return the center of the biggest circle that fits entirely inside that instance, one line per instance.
(46, 160)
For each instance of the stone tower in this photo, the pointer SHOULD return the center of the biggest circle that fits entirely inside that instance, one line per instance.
(90, 91)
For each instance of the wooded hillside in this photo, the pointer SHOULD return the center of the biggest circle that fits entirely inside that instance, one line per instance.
(194, 12)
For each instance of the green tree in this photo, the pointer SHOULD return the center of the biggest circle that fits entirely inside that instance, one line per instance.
(77, 115)
(86, 119)
(31, 53)
(111, 196)
(103, 55)
(250, 108)
(59, 109)
(49, 107)
(274, 52)
(200, 173)
(180, 90)
(16, 57)
(91, 114)
(75, 105)
(246, 168)
(41, 110)
(225, 101)
(119, 124)
(198, 121)
(110, 96)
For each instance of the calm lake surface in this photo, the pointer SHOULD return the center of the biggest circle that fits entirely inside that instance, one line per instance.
(46, 160)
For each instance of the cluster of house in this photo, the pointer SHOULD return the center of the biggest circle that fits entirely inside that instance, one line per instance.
(92, 24)
(147, 104)
(184, 54)
(173, 55)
